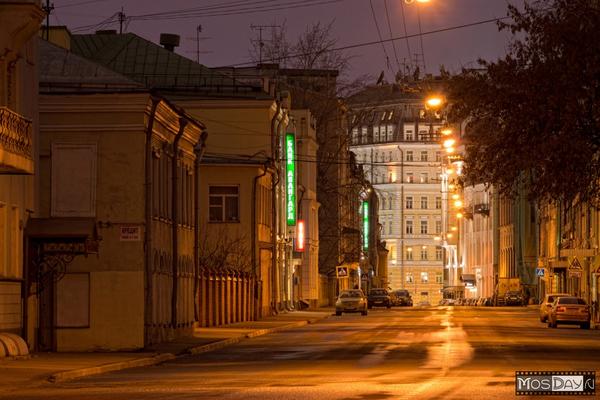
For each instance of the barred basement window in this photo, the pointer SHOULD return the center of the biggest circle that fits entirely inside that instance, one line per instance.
(223, 204)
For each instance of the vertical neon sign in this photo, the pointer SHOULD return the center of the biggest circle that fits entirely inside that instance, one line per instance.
(300, 236)
(366, 225)
(290, 152)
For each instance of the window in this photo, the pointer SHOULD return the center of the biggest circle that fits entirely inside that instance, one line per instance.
(383, 226)
(424, 202)
(438, 203)
(424, 228)
(390, 202)
(424, 255)
(424, 177)
(223, 204)
(424, 277)
(410, 178)
(409, 202)
(390, 156)
(364, 158)
(439, 278)
(409, 277)
(376, 133)
(390, 227)
(382, 203)
(409, 255)
(423, 156)
(438, 254)
(409, 135)
(364, 134)
(390, 133)
(376, 157)
(438, 226)
(423, 135)
(438, 156)
(409, 156)
(409, 227)
(354, 135)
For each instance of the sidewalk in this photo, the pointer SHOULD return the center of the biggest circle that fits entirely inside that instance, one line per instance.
(57, 367)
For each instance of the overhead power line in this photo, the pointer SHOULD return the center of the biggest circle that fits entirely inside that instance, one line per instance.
(377, 42)
(387, 59)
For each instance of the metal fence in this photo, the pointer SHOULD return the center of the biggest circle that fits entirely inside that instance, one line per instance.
(225, 297)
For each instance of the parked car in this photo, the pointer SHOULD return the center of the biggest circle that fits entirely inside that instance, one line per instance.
(513, 298)
(351, 301)
(546, 304)
(569, 310)
(401, 297)
(379, 297)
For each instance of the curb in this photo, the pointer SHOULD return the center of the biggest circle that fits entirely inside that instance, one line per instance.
(117, 366)
(160, 358)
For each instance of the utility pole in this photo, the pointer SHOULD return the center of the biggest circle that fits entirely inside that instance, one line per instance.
(48, 9)
(261, 43)
(122, 19)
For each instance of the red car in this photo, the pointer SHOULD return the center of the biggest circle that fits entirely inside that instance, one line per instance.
(569, 310)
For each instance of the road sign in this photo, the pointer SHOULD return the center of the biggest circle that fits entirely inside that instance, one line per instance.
(575, 264)
(342, 272)
(540, 272)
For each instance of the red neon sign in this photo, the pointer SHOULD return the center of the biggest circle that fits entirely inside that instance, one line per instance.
(300, 236)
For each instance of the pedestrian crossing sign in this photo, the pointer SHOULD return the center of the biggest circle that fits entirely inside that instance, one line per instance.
(575, 264)
(540, 272)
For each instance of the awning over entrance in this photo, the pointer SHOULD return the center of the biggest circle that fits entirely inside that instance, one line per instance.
(76, 236)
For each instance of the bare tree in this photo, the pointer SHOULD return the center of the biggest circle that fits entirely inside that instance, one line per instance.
(225, 251)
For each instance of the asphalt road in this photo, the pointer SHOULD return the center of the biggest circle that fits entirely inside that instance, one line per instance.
(403, 353)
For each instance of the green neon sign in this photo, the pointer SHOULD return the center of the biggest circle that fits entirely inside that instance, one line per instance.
(366, 225)
(290, 188)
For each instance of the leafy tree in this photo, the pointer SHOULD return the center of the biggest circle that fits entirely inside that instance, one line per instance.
(533, 117)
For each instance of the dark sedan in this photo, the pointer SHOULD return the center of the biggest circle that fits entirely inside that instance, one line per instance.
(379, 297)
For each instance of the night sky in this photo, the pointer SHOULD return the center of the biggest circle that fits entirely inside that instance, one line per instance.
(229, 36)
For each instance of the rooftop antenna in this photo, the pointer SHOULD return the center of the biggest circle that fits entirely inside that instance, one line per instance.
(122, 19)
(261, 43)
(197, 39)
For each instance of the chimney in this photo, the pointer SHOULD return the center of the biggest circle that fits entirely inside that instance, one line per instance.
(169, 41)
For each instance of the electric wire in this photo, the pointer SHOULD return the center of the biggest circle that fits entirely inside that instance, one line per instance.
(387, 59)
(406, 34)
(377, 42)
(387, 14)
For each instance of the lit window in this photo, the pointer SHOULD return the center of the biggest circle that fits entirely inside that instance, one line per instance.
(410, 177)
(424, 177)
(409, 277)
(424, 277)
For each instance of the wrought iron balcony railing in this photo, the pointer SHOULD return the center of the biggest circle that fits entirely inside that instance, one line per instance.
(16, 143)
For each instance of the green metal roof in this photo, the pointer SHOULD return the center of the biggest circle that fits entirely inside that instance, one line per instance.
(151, 64)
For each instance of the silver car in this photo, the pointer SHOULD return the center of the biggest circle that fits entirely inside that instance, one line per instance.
(546, 304)
(351, 301)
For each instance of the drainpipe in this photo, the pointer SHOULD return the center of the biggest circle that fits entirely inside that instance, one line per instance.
(199, 149)
(254, 226)
(148, 218)
(275, 223)
(174, 219)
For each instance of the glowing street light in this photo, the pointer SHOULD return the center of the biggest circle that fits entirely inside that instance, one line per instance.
(434, 101)
(450, 150)
(449, 143)
(459, 215)
(458, 203)
(455, 196)
(446, 131)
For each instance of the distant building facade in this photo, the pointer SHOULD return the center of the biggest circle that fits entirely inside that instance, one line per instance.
(396, 142)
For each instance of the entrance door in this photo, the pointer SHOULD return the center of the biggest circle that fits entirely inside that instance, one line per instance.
(47, 305)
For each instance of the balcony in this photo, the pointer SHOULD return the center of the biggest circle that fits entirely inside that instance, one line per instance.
(482, 208)
(16, 143)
